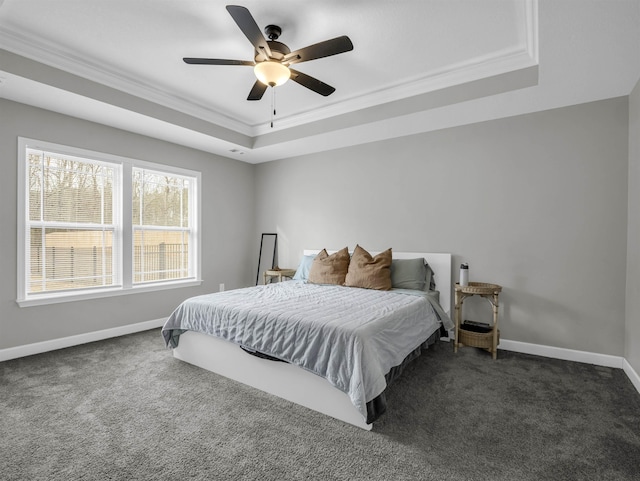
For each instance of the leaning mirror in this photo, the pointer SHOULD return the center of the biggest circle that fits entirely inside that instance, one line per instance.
(267, 256)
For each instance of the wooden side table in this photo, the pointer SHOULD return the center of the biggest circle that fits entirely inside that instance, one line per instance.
(279, 273)
(486, 340)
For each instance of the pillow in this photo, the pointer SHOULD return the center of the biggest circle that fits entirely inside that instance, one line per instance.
(329, 269)
(369, 272)
(302, 274)
(431, 281)
(411, 274)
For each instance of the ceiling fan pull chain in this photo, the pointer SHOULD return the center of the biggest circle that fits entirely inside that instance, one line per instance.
(273, 104)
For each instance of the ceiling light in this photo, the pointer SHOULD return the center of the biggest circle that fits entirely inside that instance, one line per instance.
(272, 73)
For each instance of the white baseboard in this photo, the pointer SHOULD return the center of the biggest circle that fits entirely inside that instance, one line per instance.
(562, 353)
(631, 374)
(53, 344)
(505, 344)
(572, 355)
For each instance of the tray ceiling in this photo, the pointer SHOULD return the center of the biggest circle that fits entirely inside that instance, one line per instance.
(416, 65)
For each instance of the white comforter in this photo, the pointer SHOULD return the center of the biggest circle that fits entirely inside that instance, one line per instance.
(350, 336)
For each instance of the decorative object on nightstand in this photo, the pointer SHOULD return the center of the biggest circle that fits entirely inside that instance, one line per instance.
(279, 273)
(477, 334)
(464, 275)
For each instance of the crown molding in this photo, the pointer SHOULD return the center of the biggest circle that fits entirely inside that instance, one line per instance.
(500, 62)
(520, 56)
(531, 25)
(464, 72)
(65, 60)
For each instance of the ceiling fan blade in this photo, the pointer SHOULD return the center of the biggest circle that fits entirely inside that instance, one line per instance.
(319, 50)
(216, 61)
(311, 83)
(250, 28)
(257, 91)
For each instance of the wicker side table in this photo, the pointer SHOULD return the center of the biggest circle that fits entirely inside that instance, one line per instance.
(485, 340)
(279, 273)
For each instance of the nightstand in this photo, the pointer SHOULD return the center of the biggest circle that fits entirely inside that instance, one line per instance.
(488, 338)
(279, 273)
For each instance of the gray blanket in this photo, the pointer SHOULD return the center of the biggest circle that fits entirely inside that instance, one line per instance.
(352, 337)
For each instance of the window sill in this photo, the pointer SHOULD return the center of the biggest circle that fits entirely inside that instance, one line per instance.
(45, 299)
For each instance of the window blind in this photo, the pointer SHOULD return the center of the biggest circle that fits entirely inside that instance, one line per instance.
(93, 224)
(161, 228)
(70, 225)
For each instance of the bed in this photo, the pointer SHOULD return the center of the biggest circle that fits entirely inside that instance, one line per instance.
(342, 346)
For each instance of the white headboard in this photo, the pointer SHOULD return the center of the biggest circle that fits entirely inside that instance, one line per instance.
(440, 263)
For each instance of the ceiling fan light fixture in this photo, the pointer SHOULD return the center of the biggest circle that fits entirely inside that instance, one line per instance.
(272, 73)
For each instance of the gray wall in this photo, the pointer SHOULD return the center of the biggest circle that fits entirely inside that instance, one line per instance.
(536, 203)
(632, 332)
(228, 226)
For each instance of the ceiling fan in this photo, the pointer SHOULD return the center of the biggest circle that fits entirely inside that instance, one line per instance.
(272, 58)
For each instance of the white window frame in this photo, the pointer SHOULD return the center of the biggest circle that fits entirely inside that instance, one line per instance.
(149, 167)
(123, 235)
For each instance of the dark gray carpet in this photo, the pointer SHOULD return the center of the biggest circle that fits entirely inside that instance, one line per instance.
(124, 409)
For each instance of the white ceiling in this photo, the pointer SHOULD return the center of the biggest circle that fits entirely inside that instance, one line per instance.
(416, 66)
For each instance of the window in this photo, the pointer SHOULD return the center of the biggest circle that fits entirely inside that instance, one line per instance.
(93, 224)
(161, 228)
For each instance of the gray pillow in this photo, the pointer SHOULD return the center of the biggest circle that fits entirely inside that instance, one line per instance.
(431, 281)
(411, 274)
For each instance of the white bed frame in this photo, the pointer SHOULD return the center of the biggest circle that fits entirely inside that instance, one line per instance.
(286, 380)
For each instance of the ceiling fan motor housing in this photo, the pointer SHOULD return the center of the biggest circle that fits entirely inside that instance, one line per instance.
(278, 49)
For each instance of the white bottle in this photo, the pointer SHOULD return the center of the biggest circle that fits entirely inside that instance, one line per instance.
(464, 274)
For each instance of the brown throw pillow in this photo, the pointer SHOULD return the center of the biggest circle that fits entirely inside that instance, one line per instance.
(369, 272)
(329, 269)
